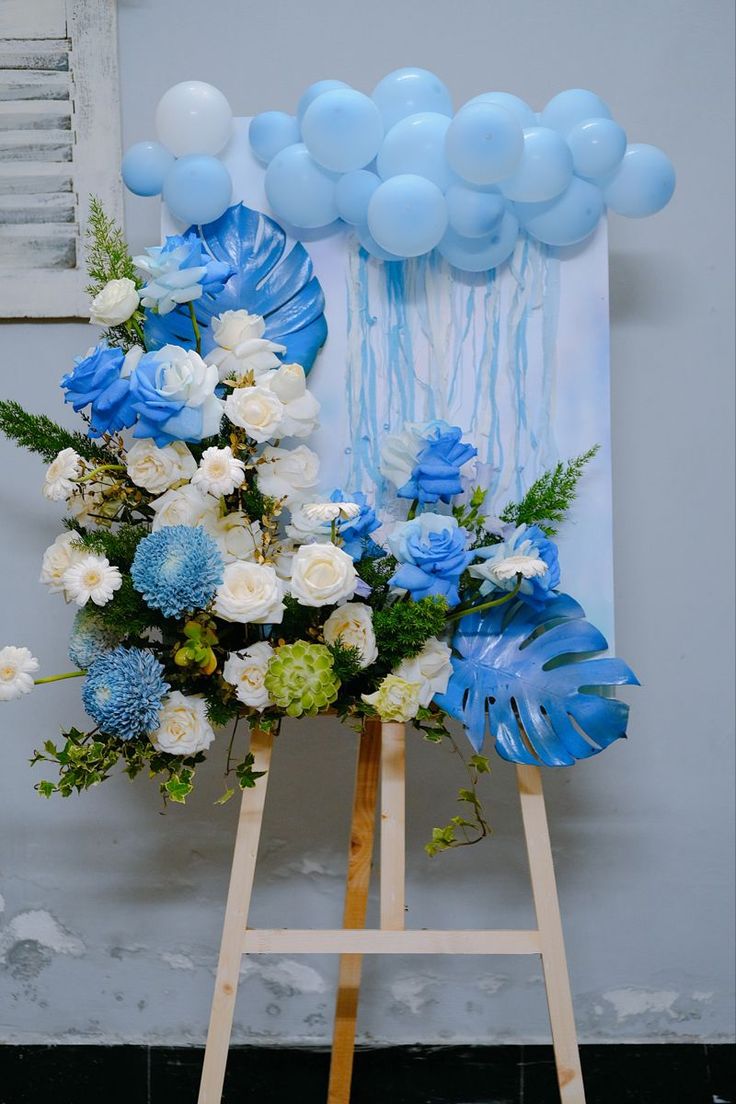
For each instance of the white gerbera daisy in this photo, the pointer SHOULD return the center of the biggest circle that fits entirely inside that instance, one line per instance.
(529, 567)
(330, 511)
(17, 667)
(219, 472)
(61, 475)
(91, 578)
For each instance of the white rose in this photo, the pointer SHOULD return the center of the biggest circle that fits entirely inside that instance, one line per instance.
(257, 410)
(246, 671)
(219, 472)
(184, 506)
(61, 475)
(241, 346)
(238, 537)
(57, 558)
(183, 375)
(431, 669)
(183, 728)
(114, 305)
(250, 593)
(352, 625)
(156, 469)
(92, 501)
(287, 473)
(322, 575)
(17, 667)
(301, 409)
(304, 527)
(395, 699)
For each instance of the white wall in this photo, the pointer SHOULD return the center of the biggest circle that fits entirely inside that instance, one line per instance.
(125, 944)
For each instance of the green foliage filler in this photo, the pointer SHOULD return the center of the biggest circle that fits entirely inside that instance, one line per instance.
(108, 256)
(550, 497)
(119, 546)
(402, 629)
(39, 434)
(126, 614)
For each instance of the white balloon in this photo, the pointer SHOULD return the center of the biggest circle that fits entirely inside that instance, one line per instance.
(194, 117)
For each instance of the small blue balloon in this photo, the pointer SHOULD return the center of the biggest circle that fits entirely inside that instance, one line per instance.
(197, 189)
(518, 107)
(299, 190)
(481, 254)
(314, 91)
(643, 183)
(407, 215)
(473, 213)
(484, 143)
(342, 130)
(416, 146)
(597, 147)
(144, 168)
(372, 247)
(352, 195)
(408, 92)
(270, 132)
(545, 168)
(568, 108)
(566, 220)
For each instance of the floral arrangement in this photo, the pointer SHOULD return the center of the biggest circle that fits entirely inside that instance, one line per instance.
(214, 583)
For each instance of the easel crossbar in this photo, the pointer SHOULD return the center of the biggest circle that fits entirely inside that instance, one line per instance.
(367, 941)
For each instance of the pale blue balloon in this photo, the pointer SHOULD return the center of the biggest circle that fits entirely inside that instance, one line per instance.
(270, 132)
(568, 108)
(481, 254)
(299, 190)
(518, 107)
(545, 168)
(307, 98)
(372, 247)
(407, 215)
(484, 143)
(409, 92)
(342, 130)
(144, 168)
(352, 195)
(597, 147)
(473, 213)
(643, 183)
(566, 220)
(416, 145)
(197, 189)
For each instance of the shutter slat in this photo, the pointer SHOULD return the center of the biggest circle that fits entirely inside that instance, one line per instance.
(28, 246)
(34, 178)
(34, 53)
(46, 208)
(36, 145)
(32, 19)
(30, 84)
(35, 115)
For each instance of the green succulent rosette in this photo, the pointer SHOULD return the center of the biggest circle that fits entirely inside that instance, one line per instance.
(301, 678)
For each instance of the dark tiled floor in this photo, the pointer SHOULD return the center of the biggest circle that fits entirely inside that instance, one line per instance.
(685, 1074)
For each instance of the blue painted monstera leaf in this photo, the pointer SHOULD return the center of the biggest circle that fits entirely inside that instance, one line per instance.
(268, 280)
(527, 675)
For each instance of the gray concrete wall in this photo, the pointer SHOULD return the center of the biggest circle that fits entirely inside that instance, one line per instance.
(112, 912)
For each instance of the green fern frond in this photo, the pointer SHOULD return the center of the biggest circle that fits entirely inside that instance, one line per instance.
(39, 434)
(550, 497)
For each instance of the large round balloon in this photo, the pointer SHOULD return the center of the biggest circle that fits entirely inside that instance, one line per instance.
(194, 117)
(352, 194)
(566, 220)
(518, 107)
(299, 190)
(197, 189)
(408, 92)
(317, 89)
(416, 145)
(407, 215)
(643, 184)
(484, 142)
(473, 212)
(342, 130)
(480, 254)
(144, 168)
(597, 146)
(568, 108)
(372, 247)
(545, 168)
(270, 132)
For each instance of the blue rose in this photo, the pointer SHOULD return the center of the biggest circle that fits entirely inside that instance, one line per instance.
(524, 551)
(178, 271)
(432, 551)
(436, 474)
(355, 532)
(173, 394)
(97, 381)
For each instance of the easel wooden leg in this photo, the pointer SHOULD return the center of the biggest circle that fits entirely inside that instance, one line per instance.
(362, 831)
(236, 918)
(393, 828)
(549, 923)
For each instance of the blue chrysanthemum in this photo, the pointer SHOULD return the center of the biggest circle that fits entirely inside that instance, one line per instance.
(90, 639)
(123, 692)
(177, 569)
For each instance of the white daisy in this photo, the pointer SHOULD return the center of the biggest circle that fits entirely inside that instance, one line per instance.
(529, 567)
(330, 511)
(91, 578)
(219, 472)
(17, 667)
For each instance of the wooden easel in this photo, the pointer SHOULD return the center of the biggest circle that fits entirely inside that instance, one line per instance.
(382, 751)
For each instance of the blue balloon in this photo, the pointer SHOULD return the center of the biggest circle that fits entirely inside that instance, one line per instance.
(409, 92)
(299, 190)
(314, 91)
(144, 168)
(568, 108)
(566, 220)
(372, 247)
(342, 130)
(597, 146)
(484, 143)
(473, 213)
(352, 194)
(481, 254)
(518, 107)
(270, 132)
(643, 184)
(416, 146)
(545, 168)
(407, 215)
(197, 189)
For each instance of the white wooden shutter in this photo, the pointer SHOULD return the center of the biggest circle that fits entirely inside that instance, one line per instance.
(59, 143)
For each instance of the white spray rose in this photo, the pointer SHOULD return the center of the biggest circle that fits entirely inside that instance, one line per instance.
(184, 506)
(250, 593)
(91, 578)
(304, 527)
(322, 575)
(246, 671)
(395, 699)
(288, 473)
(61, 474)
(257, 410)
(183, 726)
(431, 669)
(57, 558)
(301, 409)
(115, 304)
(352, 625)
(219, 472)
(156, 469)
(241, 346)
(237, 536)
(17, 668)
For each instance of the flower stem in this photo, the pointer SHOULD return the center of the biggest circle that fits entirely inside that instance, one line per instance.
(195, 327)
(461, 611)
(138, 330)
(101, 468)
(58, 678)
(412, 510)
